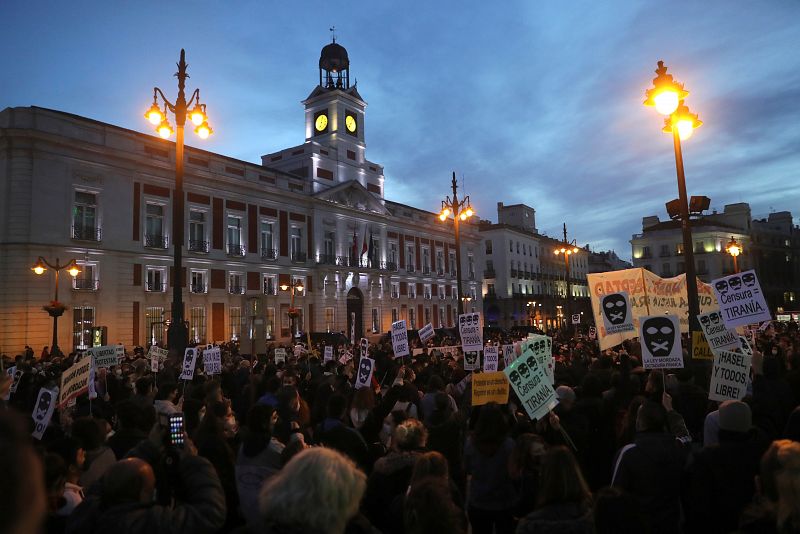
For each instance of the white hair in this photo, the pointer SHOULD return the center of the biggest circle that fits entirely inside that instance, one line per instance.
(319, 489)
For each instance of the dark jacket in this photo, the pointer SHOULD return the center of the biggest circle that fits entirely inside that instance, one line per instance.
(567, 518)
(334, 434)
(201, 510)
(389, 478)
(124, 440)
(650, 470)
(722, 478)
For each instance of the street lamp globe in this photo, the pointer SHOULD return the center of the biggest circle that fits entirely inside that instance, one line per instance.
(733, 247)
(666, 93)
(39, 267)
(284, 287)
(74, 271)
(203, 130)
(164, 129)
(154, 115)
(197, 115)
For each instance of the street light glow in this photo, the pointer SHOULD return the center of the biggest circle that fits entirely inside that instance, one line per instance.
(197, 116)
(154, 115)
(666, 102)
(284, 287)
(666, 93)
(204, 130)
(74, 271)
(733, 247)
(165, 130)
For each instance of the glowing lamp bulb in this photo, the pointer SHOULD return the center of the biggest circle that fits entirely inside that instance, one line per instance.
(284, 287)
(203, 131)
(154, 115)
(666, 102)
(685, 129)
(443, 216)
(196, 115)
(74, 271)
(38, 269)
(165, 130)
(463, 216)
(470, 213)
(299, 288)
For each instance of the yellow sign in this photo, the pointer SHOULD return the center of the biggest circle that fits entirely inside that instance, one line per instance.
(700, 348)
(489, 387)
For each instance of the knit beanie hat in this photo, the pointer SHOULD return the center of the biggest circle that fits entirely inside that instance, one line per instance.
(735, 416)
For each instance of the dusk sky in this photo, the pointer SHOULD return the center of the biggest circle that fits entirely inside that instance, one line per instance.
(538, 102)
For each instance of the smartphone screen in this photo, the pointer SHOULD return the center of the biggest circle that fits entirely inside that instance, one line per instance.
(176, 430)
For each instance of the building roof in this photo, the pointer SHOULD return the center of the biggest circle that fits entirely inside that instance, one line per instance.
(694, 223)
(486, 226)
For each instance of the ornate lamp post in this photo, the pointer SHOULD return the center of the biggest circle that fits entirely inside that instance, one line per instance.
(567, 249)
(460, 210)
(177, 333)
(734, 249)
(55, 309)
(667, 97)
(294, 285)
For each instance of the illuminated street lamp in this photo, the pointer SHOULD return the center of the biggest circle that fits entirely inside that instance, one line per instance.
(667, 96)
(460, 210)
(734, 249)
(177, 333)
(566, 250)
(294, 285)
(55, 309)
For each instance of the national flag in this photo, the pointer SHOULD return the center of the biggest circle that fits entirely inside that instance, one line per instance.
(364, 244)
(371, 252)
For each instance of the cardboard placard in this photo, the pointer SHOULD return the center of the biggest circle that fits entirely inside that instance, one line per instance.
(469, 328)
(729, 376)
(189, 361)
(472, 360)
(593, 332)
(617, 313)
(491, 354)
(489, 387)
(75, 381)
(426, 332)
(364, 346)
(280, 355)
(400, 339)
(43, 411)
(212, 360)
(158, 352)
(741, 300)
(660, 337)
(531, 385)
(576, 318)
(366, 367)
(328, 355)
(717, 334)
(508, 355)
(700, 348)
(107, 355)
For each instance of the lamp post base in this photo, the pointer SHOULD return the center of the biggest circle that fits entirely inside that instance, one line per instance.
(177, 339)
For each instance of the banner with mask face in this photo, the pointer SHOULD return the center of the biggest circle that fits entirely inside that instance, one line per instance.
(472, 360)
(366, 367)
(471, 332)
(741, 301)
(648, 294)
(189, 360)
(531, 385)
(45, 404)
(718, 335)
(617, 316)
(280, 355)
(660, 337)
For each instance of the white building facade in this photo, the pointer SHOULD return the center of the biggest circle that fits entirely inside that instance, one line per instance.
(77, 188)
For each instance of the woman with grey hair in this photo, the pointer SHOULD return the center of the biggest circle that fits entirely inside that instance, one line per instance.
(318, 491)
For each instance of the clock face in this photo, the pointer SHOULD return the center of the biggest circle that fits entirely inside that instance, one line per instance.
(321, 123)
(351, 124)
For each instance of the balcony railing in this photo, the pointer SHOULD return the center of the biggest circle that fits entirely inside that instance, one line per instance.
(198, 246)
(269, 253)
(326, 259)
(410, 268)
(391, 266)
(647, 255)
(270, 290)
(235, 250)
(426, 270)
(489, 274)
(236, 290)
(155, 241)
(513, 273)
(395, 294)
(87, 233)
(299, 257)
(84, 284)
(440, 271)
(665, 254)
(155, 287)
(198, 288)
(427, 296)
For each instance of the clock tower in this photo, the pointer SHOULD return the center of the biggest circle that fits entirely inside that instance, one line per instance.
(334, 130)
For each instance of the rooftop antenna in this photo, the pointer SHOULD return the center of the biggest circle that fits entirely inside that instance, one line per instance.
(333, 33)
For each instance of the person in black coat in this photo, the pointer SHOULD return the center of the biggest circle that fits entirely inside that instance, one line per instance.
(722, 477)
(333, 433)
(650, 467)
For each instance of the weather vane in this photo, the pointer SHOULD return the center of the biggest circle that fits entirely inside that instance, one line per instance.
(333, 33)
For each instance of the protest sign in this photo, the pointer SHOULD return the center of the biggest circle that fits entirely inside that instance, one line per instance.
(452, 351)
(648, 294)
(328, 353)
(660, 338)
(43, 411)
(531, 385)
(345, 357)
(10, 374)
(366, 367)
(364, 346)
(489, 387)
(158, 352)
(91, 385)
(189, 360)
(75, 381)
(472, 360)
(280, 355)
(508, 354)
(212, 360)
(490, 357)
(469, 328)
(718, 335)
(426, 332)
(16, 375)
(700, 347)
(617, 313)
(154, 364)
(399, 339)
(745, 347)
(729, 376)
(576, 318)
(593, 332)
(107, 355)
(741, 301)
(542, 348)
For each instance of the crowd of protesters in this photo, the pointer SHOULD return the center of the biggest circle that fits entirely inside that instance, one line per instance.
(293, 447)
